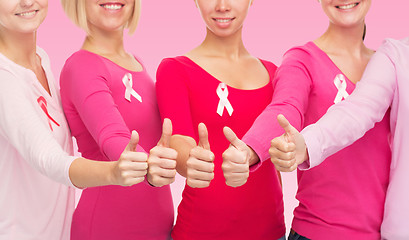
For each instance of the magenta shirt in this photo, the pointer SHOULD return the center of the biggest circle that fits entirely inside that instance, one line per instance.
(383, 85)
(336, 201)
(96, 103)
(187, 94)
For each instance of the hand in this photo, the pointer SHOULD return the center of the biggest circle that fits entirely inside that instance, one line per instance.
(289, 150)
(131, 166)
(235, 160)
(162, 159)
(200, 166)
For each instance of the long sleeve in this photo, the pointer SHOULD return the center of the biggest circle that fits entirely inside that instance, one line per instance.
(173, 97)
(348, 120)
(21, 124)
(85, 83)
(291, 85)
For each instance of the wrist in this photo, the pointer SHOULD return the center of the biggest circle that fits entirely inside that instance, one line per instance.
(111, 176)
(252, 156)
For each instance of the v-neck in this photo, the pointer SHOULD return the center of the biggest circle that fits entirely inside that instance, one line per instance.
(34, 80)
(229, 86)
(117, 65)
(330, 60)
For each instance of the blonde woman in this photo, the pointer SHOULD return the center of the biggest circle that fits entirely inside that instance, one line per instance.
(106, 92)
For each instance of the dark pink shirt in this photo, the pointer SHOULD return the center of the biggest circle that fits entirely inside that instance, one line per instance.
(344, 197)
(93, 94)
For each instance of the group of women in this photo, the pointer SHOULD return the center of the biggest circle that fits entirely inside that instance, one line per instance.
(218, 105)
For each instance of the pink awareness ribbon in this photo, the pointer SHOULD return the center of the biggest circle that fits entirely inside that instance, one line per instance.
(223, 93)
(43, 104)
(341, 85)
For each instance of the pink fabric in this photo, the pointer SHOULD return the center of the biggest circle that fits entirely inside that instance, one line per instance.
(337, 199)
(187, 95)
(101, 119)
(386, 74)
(36, 195)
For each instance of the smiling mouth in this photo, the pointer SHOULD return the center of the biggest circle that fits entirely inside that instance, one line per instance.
(349, 6)
(223, 20)
(27, 14)
(112, 6)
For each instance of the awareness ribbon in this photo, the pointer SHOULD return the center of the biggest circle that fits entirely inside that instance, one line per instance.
(127, 80)
(341, 85)
(222, 92)
(43, 105)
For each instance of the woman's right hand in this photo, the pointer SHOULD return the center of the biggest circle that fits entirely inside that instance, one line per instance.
(131, 166)
(200, 166)
(162, 159)
(288, 150)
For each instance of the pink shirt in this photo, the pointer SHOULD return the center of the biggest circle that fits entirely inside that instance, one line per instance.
(36, 194)
(385, 75)
(187, 94)
(103, 102)
(336, 200)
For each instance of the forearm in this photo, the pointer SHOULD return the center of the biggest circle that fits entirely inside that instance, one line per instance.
(183, 145)
(88, 173)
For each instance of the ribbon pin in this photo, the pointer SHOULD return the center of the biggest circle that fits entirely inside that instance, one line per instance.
(127, 80)
(341, 85)
(43, 104)
(223, 92)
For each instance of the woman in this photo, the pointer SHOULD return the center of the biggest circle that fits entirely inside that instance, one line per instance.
(37, 169)
(105, 93)
(220, 84)
(335, 200)
(385, 76)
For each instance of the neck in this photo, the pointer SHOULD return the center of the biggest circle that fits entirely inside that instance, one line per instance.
(19, 47)
(342, 40)
(230, 47)
(105, 43)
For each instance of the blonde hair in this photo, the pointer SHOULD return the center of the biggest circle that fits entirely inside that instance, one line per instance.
(75, 10)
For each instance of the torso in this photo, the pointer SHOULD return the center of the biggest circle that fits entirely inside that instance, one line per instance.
(343, 187)
(102, 211)
(219, 211)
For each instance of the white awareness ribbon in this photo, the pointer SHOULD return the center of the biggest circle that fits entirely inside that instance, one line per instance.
(127, 80)
(222, 92)
(341, 85)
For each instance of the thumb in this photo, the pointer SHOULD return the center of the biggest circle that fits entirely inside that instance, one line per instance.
(288, 128)
(203, 136)
(233, 139)
(133, 142)
(164, 140)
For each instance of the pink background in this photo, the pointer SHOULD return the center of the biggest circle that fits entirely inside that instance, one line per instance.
(173, 27)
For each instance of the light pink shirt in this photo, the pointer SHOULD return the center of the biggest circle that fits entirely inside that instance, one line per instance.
(34, 151)
(386, 74)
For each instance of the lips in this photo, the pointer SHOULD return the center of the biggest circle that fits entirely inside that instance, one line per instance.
(347, 6)
(112, 6)
(223, 20)
(27, 13)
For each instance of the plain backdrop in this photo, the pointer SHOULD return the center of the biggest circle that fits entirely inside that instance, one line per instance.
(172, 27)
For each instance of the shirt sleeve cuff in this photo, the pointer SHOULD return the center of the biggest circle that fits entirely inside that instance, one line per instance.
(313, 148)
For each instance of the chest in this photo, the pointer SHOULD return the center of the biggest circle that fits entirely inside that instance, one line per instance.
(352, 68)
(328, 88)
(218, 105)
(242, 75)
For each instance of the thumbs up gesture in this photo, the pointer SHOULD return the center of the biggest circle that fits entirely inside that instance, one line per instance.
(162, 159)
(289, 150)
(200, 166)
(235, 160)
(132, 166)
